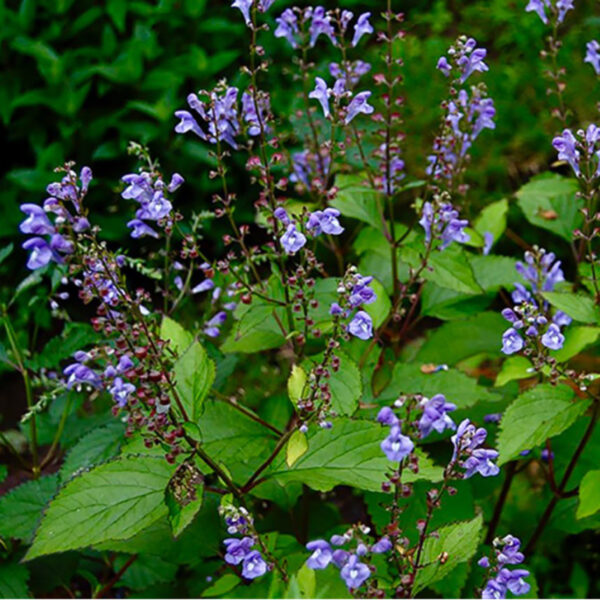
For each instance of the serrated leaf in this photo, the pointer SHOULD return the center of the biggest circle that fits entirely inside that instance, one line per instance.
(514, 367)
(459, 541)
(536, 415)
(111, 502)
(302, 584)
(347, 454)
(21, 508)
(94, 448)
(13, 581)
(549, 201)
(297, 445)
(356, 200)
(589, 495)
(579, 307)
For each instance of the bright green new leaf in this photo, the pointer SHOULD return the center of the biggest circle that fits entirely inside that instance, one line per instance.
(492, 219)
(111, 502)
(536, 415)
(296, 447)
(514, 367)
(579, 307)
(296, 383)
(576, 339)
(589, 495)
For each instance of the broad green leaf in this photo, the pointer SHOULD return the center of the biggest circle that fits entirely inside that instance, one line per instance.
(111, 502)
(536, 415)
(449, 305)
(493, 272)
(576, 339)
(379, 309)
(356, 200)
(458, 540)
(13, 581)
(457, 340)
(94, 448)
(194, 370)
(579, 307)
(257, 329)
(589, 495)
(296, 383)
(21, 508)
(492, 219)
(347, 454)
(458, 387)
(449, 268)
(222, 586)
(145, 571)
(345, 383)
(297, 446)
(549, 201)
(183, 496)
(514, 367)
(303, 584)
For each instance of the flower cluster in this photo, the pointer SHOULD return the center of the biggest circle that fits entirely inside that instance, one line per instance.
(355, 292)
(304, 26)
(55, 244)
(244, 7)
(464, 58)
(550, 11)
(531, 313)
(507, 552)
(357, 104)
(469, 454)
(353, 570)
(242, 551)
(307, 167)
(580, 150)
(440, 222)
(148, 190)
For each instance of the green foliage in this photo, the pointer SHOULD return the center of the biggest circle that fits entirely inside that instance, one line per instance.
(589, 495)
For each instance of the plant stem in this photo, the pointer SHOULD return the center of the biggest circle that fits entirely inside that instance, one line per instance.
(510, 474)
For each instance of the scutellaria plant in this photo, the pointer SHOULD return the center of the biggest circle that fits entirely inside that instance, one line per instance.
(297, 364)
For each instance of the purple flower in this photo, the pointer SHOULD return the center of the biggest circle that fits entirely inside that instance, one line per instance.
(467, 438)
(249, 112)
(292, 240)
(511, 341)
(513, 580)
(382, 546)
(244, 7)
(488, 241)
(362, 27)
(37, 222)
(237, 549)
(553, 338)
(444, 66)
(188, 123)
(492, 418)
(321, 24)
(287, 27)
(563, 7)
(386, 416)
(361, 326)
(340, 558)
(362, 293)
(484, 562)
(354, 573)
(120, 391)
(358, 104)
(325, 221)
(141, 229)
(493, 590)
(81, 375)
(321, 93)
(321, 554)
(281, 215)
(435, 415)
(176, 181)
(539, 6)
(40, 253)
(480, 461)
(351, 75)
(566, 144)
(510, 554)
(212, 328)
(156, 209)
(592, 55)
(546, 456)
(561, 319)
(85, 177)
(125, 363)
(338, 540)
(397, 446)
(204, 286)
(336, 309)
(472, 61)
(253, 565)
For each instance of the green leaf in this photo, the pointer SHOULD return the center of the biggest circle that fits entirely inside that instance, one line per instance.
(111, 502)
(449, 343)
(449, 268)
(117, 11)
(379, 309)
(535, 416)
(21, 508)
(459, 541)
(458, 387)
(493, 272)
(492, 219)
(576, 339)
(222, 586)
(549, 201)
(577, 306)
(347, 454)
(3, 472)
(354, 199)
(94, 448)
(296, 383)
(13, 581)
(296, 447)
(183, 496)
(589, 495)
(303, 584)
(145, 571)
(256, 330)
(5, 252)
(194, 370)
(514, 367)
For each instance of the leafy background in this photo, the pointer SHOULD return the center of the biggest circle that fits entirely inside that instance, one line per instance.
(81, 79)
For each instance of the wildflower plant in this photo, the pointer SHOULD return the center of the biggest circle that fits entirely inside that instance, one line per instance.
(299, 360)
